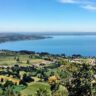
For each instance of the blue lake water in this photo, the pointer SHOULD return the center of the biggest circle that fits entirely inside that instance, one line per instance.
(68, 44)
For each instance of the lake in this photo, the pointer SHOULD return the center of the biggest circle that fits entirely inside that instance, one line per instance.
(68, 44)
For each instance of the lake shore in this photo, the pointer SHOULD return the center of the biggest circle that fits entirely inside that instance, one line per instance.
(58, 44)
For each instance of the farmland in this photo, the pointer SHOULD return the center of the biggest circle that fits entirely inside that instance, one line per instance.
(25, 73)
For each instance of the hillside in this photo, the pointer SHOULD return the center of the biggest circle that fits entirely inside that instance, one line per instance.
(5, 37)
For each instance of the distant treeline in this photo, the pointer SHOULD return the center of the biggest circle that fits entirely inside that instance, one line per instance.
(9, 52)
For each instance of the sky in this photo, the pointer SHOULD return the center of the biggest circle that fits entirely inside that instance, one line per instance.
(47, 15)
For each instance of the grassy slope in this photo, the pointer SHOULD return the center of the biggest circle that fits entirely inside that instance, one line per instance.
(9, 60)
(33, 87)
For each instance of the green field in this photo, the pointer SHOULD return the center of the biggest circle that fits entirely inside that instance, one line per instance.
(33, 87)
(11, 60)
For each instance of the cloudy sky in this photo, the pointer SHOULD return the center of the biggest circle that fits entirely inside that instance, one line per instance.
(47, 15)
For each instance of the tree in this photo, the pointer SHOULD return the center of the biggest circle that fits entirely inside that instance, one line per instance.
(16, 71)
(80, 84)
(28, 62)
(18, 60)
(2, 80)
(8, 83)
(54, 83)
(42, 92)
(26, 79)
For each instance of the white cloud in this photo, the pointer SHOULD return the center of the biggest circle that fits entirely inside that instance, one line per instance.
(75, 1)
(90, 7)
(85, 4)
(69, 1)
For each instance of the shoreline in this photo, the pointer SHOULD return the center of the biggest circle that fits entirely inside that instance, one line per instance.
(43, 52)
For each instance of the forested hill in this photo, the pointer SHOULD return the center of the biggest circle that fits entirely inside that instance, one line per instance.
(4, 37)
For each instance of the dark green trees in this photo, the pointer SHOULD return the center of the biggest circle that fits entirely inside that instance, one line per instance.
(80, 84)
